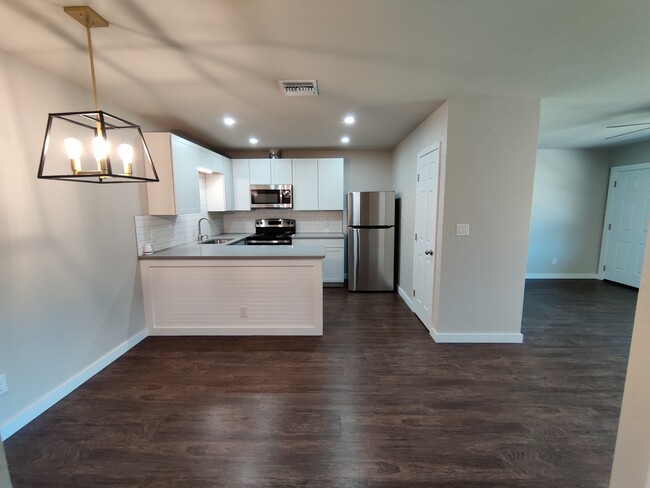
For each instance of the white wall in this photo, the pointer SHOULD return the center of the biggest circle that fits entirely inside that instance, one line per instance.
(630, 154)
(569, 198)
(69, 292)
(631, 468)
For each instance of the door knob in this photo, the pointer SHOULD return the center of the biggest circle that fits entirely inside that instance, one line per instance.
(430, 253)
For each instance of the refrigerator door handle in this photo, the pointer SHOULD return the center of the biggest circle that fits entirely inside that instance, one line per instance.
(356, 257)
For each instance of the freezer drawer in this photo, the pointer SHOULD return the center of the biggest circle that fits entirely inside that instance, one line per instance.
(371, 254)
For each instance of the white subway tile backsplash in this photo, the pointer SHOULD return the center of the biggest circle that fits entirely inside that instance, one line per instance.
(243, 222)
(168, 231)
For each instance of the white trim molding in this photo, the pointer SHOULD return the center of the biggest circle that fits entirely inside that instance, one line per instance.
(407, 299)
(471, 338)
(32, 411)
(562, 276)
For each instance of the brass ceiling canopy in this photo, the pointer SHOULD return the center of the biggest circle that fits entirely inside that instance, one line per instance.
(84, 146)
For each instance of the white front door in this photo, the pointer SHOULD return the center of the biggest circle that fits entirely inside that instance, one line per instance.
(426, 212)
(626, 224)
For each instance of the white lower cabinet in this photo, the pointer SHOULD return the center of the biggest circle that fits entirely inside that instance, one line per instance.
(333, 264)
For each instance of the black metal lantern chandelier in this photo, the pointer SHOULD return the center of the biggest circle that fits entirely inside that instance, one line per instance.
(94, 146)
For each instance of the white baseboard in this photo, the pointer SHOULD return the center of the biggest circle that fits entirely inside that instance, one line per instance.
(561, 276)
(469, 338)
(18, 421)
(405, 297)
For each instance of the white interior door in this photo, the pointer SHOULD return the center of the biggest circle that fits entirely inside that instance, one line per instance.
(626, 224)
(426, 212)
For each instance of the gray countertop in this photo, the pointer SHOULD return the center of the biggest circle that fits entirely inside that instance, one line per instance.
(194, 250)
(319, 235)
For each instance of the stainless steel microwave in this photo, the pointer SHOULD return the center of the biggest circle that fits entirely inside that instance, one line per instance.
(271, 196)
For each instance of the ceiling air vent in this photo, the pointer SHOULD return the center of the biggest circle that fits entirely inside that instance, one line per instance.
(299, 88)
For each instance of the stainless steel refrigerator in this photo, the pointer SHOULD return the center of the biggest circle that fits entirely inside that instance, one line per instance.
(371, 241)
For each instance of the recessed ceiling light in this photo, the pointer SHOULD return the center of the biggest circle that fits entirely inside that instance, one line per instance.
(345, 139)
(228, 120)
(349, 119)
(253, 140)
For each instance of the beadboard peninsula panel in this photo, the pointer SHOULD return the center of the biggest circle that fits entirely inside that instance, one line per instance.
(233, 297)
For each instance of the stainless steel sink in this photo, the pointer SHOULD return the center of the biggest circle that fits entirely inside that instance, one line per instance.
(215, 241)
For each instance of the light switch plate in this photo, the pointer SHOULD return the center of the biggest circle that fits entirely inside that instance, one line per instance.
(462, 229)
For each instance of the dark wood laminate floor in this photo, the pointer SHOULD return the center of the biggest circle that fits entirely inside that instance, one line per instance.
(372, 403)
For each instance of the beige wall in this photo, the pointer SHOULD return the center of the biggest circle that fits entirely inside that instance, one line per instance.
(5, 481)
(631, 467)
(492, 144)
(569, 198)
(488, 149)
(69, 292)
(431, 131)
(630, 154)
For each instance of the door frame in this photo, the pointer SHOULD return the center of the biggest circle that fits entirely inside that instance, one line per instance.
(436, 258)
(613, 174)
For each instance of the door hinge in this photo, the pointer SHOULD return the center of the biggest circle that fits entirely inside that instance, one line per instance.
(604, 267)
(413, 292)
(609, 227)
(615, 183)
(418, 177)
(416, 236)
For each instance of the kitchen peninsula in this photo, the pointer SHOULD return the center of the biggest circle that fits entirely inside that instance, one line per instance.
(217, 289)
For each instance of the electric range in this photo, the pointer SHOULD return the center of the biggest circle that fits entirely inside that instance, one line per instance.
(272, 232)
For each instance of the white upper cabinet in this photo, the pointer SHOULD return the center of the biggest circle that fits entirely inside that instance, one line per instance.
(305, 184)
(260, 171)
(281, 173)
(330, 184)
(241, 184)
(227, 175)
(270, 171)
(176, 161)
(318, 184)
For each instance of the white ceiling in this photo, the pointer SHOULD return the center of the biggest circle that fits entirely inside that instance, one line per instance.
(186, 64)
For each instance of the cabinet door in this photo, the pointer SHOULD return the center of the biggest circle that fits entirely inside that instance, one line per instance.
(241, 185)
(330, 184)
(260, 171)
(281, 172)
(227, 179)
(333, 265)
(305, 184)
(185, 156)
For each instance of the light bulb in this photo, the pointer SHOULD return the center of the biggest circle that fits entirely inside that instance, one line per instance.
(126, 153)
(73, 149)
(228, 120)
(345, 139)
(349, 119)
(253, 140)
(100, 149)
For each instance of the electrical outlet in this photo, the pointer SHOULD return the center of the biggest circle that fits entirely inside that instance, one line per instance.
(554, 261)
(3, 384)
(243, 312)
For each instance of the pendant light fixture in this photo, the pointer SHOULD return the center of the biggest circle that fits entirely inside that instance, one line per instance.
(94, 146)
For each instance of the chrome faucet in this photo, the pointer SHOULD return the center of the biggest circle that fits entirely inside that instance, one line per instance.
(204, 236)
